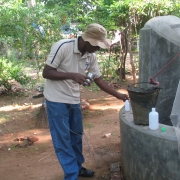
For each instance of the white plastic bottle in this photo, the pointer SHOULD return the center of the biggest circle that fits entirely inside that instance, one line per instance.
(127, 105)
(153, 119)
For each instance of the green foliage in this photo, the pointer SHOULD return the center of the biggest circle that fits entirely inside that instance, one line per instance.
(11, 71)
(17, 32)
(129, 17)
(25, 42)
(108, 66)
(117, 14)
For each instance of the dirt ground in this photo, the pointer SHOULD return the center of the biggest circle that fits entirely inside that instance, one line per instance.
(38, 160)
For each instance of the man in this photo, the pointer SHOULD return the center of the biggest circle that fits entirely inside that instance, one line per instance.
(65, 72)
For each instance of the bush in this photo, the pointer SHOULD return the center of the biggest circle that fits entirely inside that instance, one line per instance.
(11, 71)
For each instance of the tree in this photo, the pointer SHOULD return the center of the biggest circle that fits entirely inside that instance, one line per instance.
(129, 17)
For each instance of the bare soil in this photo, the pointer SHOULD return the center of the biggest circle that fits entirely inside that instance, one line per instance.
(37, 161)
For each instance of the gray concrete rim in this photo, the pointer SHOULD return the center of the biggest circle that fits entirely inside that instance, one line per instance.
(127, 118)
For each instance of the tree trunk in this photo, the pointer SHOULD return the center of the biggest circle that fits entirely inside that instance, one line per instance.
(31, 3)
(42, 118)
(130, 52)
(123, 54)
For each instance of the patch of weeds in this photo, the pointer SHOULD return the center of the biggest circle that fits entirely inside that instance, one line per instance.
(98, 112)
(123, 82)
(37, 112)
(4, 118)
(24, 151)
(32, 150)
(15, 103)
(93, 88)
(16, 93)
(103, 151)
(13, 96)
(41, 148)
(28, 150)
(8, 103)
(89, 126)
(27, 127)
(19, 94)
(107, 121)
(26, 94)
(31, 84)
(87, 114)
(14, 146)
(112, 133)
(10, 131)
(1, 161)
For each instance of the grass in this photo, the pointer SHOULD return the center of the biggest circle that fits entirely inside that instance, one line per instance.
(93, 88)
(89, 126)
(107, 121)
(98, 113)
(4, 118)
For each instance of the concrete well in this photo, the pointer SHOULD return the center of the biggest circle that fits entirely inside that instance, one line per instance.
(147, 154)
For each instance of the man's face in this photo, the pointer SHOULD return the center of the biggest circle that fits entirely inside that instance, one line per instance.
(91, 49)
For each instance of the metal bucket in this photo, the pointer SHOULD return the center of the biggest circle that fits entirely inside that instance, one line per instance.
(142, 100)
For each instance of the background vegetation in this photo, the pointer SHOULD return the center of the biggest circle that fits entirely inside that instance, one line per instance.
(29, 28)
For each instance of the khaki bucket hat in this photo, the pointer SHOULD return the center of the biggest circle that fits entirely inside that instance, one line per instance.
(96, 34)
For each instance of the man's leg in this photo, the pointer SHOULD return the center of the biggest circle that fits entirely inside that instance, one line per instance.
(76, 128)
(58, 117)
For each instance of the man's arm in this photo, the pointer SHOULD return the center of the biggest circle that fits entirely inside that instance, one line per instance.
(52, 74)
(105, 87)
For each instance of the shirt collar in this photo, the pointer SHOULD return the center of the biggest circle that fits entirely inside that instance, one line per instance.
(76, 50)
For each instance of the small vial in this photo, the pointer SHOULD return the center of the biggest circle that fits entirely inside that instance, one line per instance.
(127, 105)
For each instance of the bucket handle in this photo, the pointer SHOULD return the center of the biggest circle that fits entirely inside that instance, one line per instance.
(159, 87)
(137, 83)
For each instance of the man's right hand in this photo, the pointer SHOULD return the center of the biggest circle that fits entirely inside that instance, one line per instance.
(52, 73)
(81, 79)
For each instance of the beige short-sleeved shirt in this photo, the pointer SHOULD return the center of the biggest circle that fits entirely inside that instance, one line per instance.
(66, 57)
